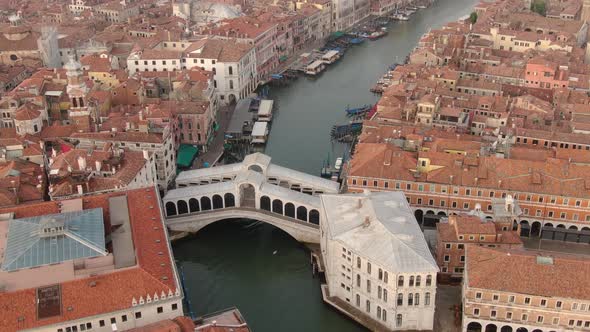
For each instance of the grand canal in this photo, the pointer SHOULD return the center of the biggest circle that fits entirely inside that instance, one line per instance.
(258, 268)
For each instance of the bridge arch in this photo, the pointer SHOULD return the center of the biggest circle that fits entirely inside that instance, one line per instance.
(193, 205)
(314, 217)
(300, 230)
(229, 200)
(277, 206)
(217, 202)
(302, 213)
(182, 207)
(170, 209)
(290, 210)
(205, 203)
(265, 203)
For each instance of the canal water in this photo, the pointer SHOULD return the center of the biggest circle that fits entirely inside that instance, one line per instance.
(258, 268)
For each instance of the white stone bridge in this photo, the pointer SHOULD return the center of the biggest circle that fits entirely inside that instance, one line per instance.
(253, 189)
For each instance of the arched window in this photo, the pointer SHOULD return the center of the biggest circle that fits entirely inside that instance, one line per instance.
(400, 299)
(358, 280)
(290, 210)
(410, 299)
(170, 209)
(398, 320)
(379, 292)
(358, 262)
(265, 203)
(230, 200)
(385, 277)
(314, 217)
(427, 299)
(411, 281)
(193, 205)
(417, 299)
(384, 315)
(205, 203)
(302, 213)
(368, 306)
(217, 202)
(418, 280)
(379, 312)
(380, 274)
(368, 268)
(400, 281)
(428, 280)
(368, 286)
(277, 206)
(384, 295)
(358, 300)
(182, 207)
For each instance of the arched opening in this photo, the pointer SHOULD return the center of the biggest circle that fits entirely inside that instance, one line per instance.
(587, 229)
(265, 203)
(536, 228)
(182, 207)
(205, 203)
(474, 327)
(560, 226)
(314, 217)
(430, 219)
(302, 213)
(419, 214)
(525, 228)
(255, 168)
(290, 210)
(442, 214)
(491, 328)
(277, 206)
(217, 202)
(537, 330)
(229, 199)
(548, 224)
(506, 328)
(575, 228)
(247, 195)
(522, 329)
(170, 209)
(232, 99)
(193, 205)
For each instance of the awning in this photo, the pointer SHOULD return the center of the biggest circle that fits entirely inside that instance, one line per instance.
(337, 35)
(283, 58)
(186, 155)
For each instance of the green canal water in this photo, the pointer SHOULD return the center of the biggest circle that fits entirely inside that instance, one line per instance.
(231, 263)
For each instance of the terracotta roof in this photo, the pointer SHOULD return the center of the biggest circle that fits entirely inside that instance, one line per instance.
(519, 267)
(27, 112)
(113, 291)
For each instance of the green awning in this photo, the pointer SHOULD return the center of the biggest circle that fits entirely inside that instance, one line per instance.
(283, 58)
(186, 155)
(336, 35)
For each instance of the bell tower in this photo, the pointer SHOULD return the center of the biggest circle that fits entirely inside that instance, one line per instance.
(77, 91)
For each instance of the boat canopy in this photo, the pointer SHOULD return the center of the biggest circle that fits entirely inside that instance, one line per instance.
(315, 64)
(329, 55)
(265, 108)
(259, 129)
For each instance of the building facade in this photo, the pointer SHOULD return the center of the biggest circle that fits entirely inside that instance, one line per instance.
(377, 261)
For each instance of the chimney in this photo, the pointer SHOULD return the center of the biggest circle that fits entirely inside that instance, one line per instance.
(98, 165)
(80, 190)
(146, 155)
(81, 163)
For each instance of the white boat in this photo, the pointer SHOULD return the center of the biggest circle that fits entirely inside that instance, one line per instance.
(400, 17)
(315, 68)
(421, 7)
(259, 132)
(331, 57)
(338, 164)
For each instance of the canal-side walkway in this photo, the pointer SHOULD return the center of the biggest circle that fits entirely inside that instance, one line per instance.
(216, 148)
